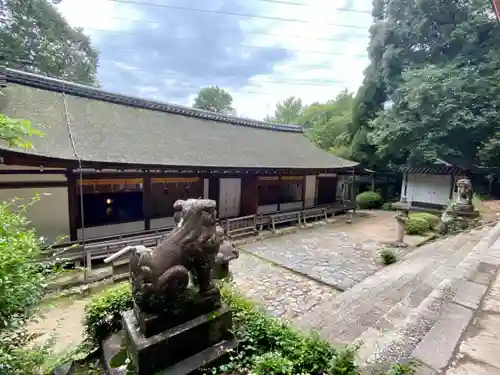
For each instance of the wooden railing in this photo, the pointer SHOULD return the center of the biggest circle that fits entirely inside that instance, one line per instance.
(314, 213)
(241, 226)
(292, 217)
(102, 247)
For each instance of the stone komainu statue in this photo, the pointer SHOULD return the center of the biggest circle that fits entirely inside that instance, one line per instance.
(160, 276)
(465, 191)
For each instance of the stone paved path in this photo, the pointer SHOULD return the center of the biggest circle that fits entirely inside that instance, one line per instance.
(340, 255)
(283, 293)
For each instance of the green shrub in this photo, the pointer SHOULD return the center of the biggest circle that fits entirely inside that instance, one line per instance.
(431, 219)
(258, 334)
(388, 256)
(416, 226)
(22, 286)
(387, 206)
(369, 200)
(18, 356)
(403, 369)
(103, 312)
(21, 283)
(344, 362)
(272, 363)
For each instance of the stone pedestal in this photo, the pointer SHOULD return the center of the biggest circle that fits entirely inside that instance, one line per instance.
(220, 271)
(188, 345)
(403, 208)
(466, 211)
(400, 230)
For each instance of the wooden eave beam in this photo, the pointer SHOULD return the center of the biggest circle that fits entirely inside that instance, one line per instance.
(19, 158)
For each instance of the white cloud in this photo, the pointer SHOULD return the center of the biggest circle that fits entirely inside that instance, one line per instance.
(94, 15)
(308, 75)
(318, 70)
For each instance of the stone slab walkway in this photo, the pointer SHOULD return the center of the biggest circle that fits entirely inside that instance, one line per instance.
(339, 254)
(478, 353)
(283, 293)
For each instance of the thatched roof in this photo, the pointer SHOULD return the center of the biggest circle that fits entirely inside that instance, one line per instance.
(112, 128)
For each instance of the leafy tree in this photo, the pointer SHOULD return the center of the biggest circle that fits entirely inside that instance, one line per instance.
(436, 62)
(489, 151)
(287, 111)
(448, 110)
(328, 122)
(35, 32)
(14, 131)
(214, 99)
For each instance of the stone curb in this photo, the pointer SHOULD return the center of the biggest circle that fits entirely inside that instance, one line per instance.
(453, 305)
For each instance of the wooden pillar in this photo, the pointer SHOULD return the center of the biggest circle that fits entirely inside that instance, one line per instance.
(280, 179)
(452, 187)
(353, 192)
(316, 186)
(214, 189)
(147, 201)
(405, 185)
(304, 191)
(72, 205)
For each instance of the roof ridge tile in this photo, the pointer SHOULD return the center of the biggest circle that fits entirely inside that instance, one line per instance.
(53, 84)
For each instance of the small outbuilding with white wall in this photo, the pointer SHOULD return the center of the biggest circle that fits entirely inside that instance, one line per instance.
(432, 186)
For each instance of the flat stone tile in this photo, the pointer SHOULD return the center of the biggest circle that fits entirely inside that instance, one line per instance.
(484, 273)
(470, 368)
(437, 347)
(281, 292)
(470, 294)
(482, 341)
(338, 259)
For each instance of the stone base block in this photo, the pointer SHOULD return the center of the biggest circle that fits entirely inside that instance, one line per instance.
(208, 357)
(159, 352)
(152, 324)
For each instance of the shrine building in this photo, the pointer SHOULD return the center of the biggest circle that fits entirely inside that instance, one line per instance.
(119, 162)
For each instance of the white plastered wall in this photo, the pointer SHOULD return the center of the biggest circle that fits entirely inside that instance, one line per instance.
(50, 215)
(428, 188)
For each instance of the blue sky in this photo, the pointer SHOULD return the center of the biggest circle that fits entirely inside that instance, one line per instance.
(168, 54)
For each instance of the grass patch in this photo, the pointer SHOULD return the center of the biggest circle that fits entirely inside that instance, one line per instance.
(388, 256)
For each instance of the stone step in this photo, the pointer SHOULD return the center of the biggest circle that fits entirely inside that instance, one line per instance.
(385, 329)
(409, 286)
(363, 305)
(431, 332)
(402, 307)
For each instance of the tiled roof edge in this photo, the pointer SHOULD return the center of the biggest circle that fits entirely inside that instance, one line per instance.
(52, 84)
